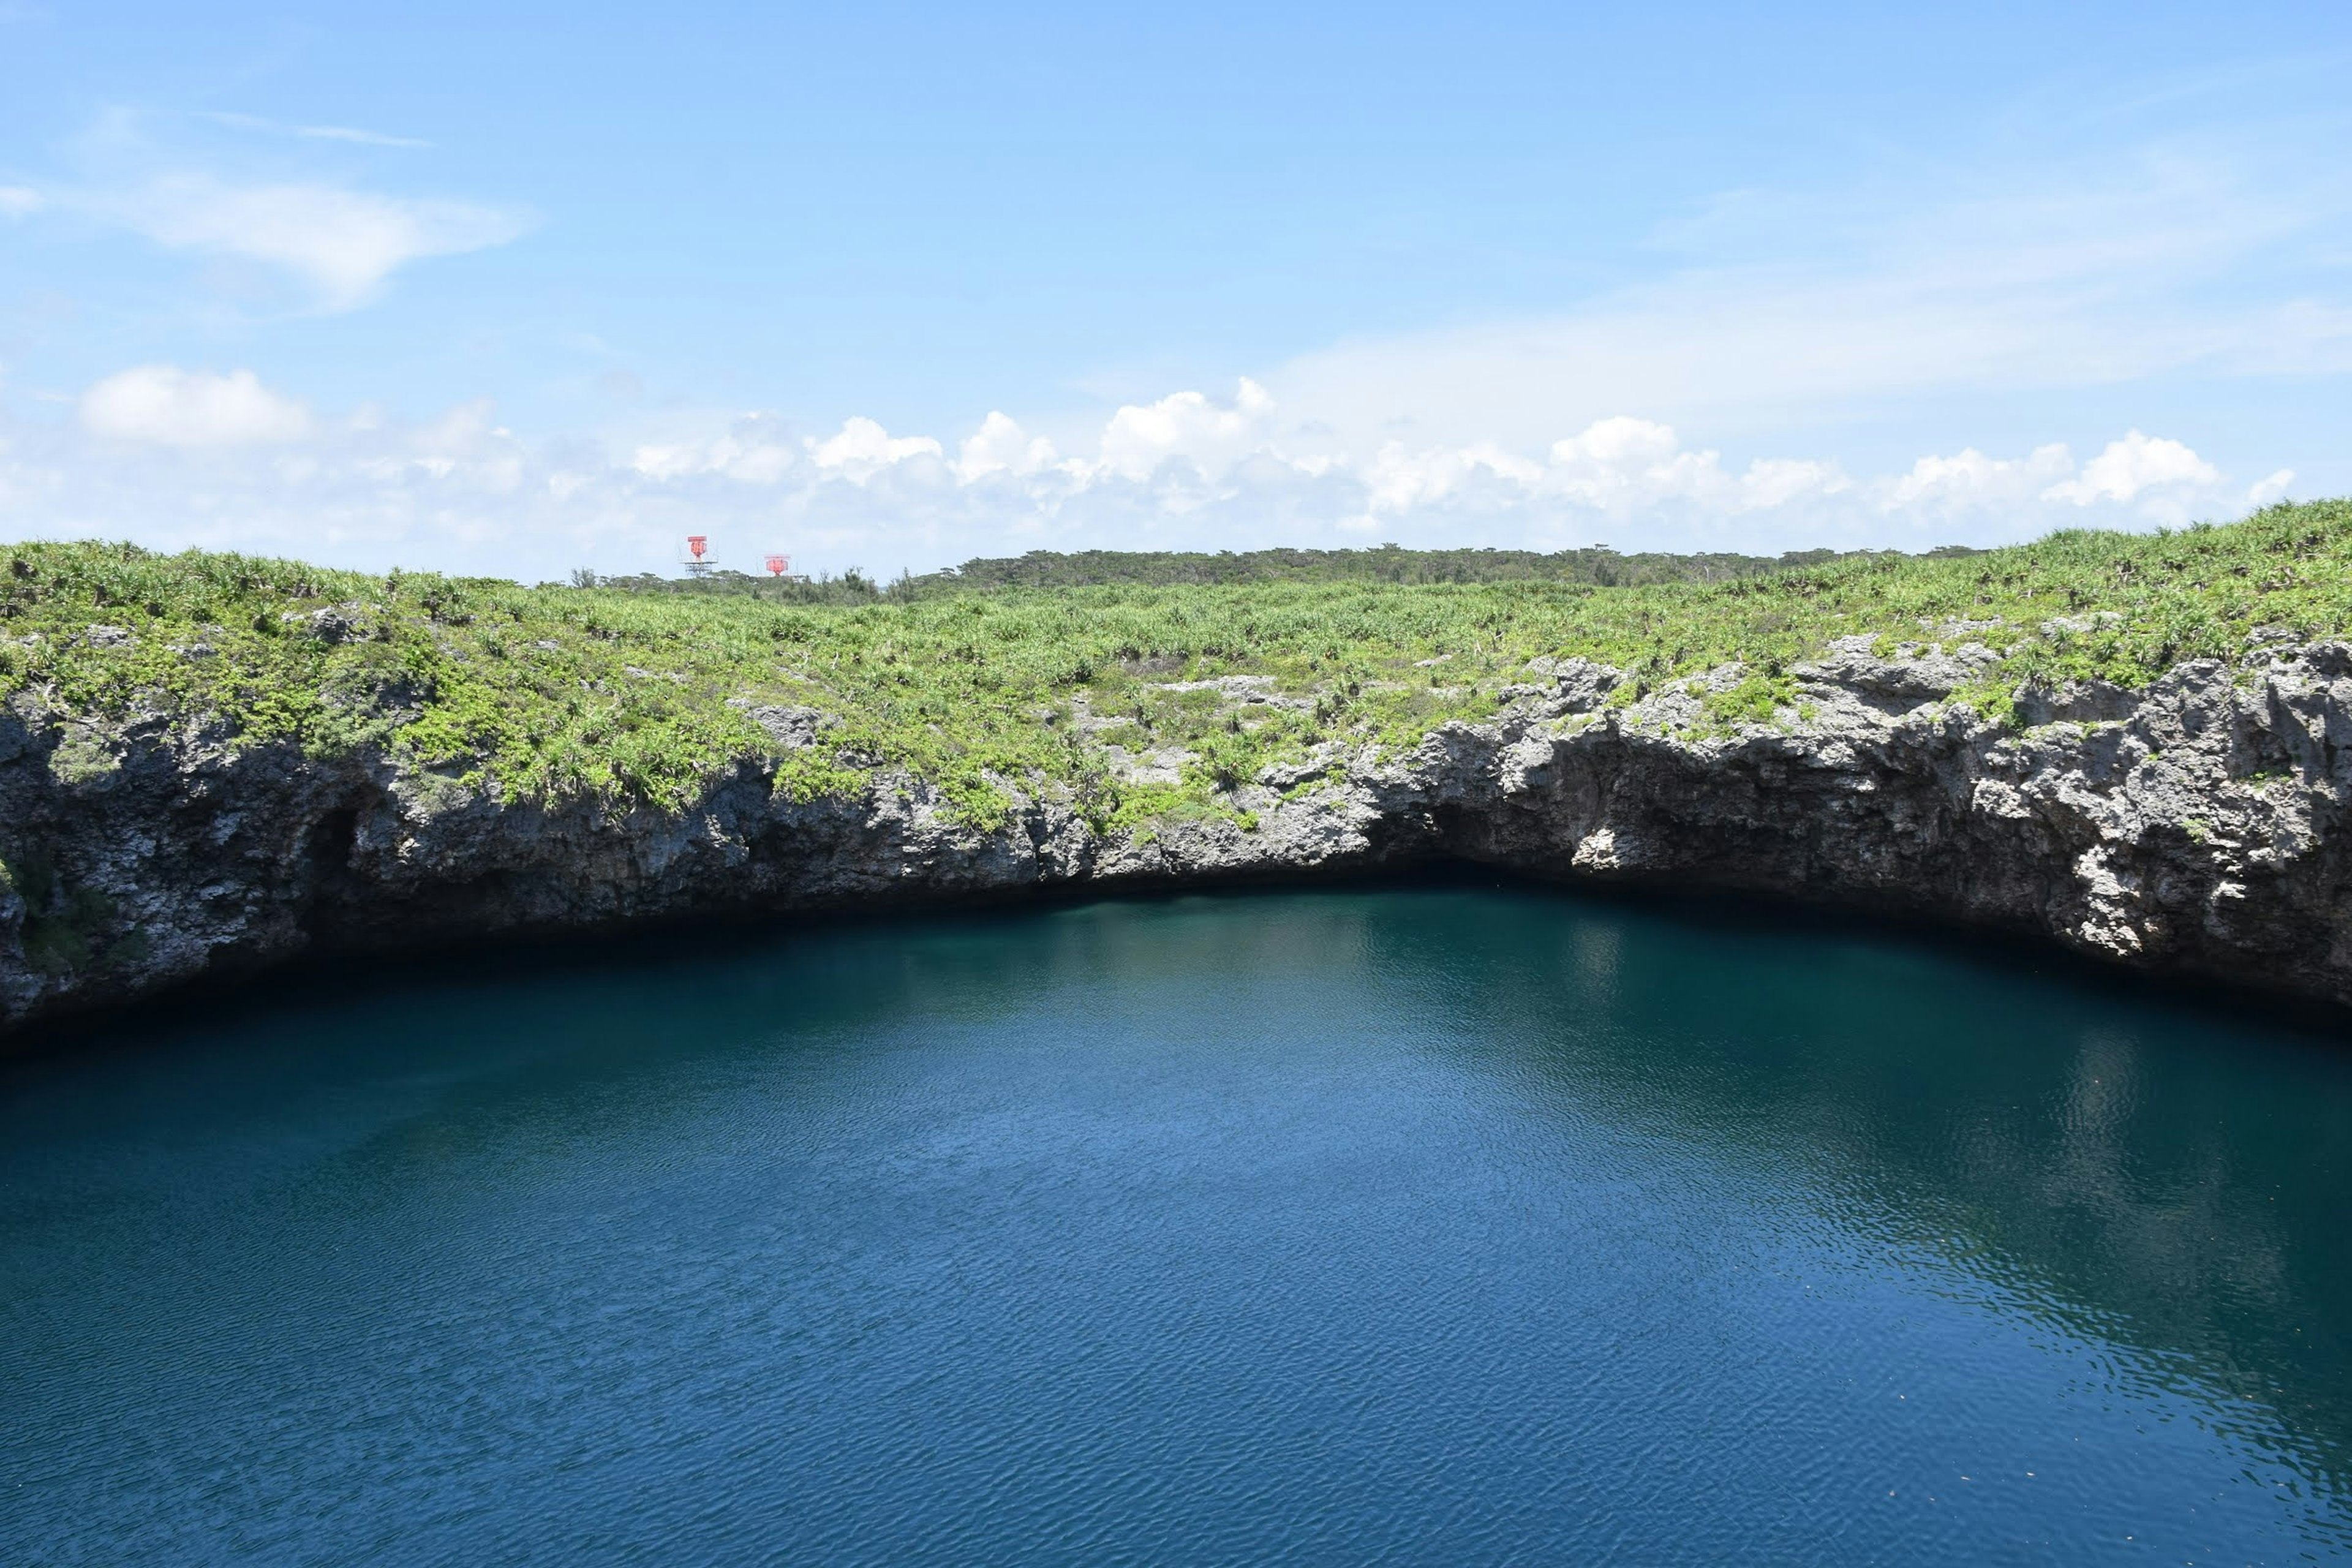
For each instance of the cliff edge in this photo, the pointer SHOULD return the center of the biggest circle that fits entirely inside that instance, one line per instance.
(2196, 824)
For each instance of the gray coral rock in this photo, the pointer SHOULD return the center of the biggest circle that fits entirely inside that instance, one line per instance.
(2197, 826)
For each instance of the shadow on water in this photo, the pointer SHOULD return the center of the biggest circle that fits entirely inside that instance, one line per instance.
(2125, 1167)
(751, 939)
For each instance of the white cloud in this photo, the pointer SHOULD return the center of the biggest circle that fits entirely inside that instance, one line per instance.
(1402, 481)
(1142, 437)
(174, 457)
(467, 438)
(314, 132)
(1777, 482)
(1620, 462)
(2266, 491)
(352, 133)
(337, 244)
(753, 451)
(1971, 478)
(864, 448)
(1617, 442)
(672, 461)
(1001, 446)
(2093, 274)
(1618, 466)
(161, 404)
(1707, 406)
(2130, 466)
(342, 244)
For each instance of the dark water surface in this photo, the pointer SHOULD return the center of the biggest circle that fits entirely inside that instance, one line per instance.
(1434, 1225)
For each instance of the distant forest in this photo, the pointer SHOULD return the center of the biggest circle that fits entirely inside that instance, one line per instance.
(1597, 566)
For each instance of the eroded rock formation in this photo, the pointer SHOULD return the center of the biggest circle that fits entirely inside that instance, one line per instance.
(2198, 826)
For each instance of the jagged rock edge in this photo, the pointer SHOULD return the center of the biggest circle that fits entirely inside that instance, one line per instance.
(2197, 826)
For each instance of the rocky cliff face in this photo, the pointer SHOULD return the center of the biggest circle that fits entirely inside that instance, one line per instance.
(2198, 826)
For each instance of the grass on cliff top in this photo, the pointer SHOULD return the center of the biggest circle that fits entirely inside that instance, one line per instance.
(558, 691)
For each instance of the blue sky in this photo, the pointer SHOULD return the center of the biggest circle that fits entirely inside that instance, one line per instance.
(517, 288)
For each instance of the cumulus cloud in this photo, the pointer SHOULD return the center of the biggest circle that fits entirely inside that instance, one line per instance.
(1400, 481)
(1777, 482)
(1186, 426)
(161, 404)
(1620, 461)
(178, 456)
(468, 437)
(1617, 466)
(2128, 466)
(1001, 446)
(1617, 443)
(754, 451)
(2273, 488)
(1971, 478)
(863, 448)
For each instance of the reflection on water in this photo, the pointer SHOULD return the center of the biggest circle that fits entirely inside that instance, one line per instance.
(1433, 1225)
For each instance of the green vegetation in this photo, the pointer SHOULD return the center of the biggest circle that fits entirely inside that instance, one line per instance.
(628, 695)
(1597, 566)
(63, 925)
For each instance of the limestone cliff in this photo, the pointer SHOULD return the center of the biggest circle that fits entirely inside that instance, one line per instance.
(2198, 826)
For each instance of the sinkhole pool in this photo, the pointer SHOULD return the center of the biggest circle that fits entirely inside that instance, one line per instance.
(1427, 1225)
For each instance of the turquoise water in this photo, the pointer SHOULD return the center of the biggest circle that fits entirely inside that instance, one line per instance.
(1429, 1225)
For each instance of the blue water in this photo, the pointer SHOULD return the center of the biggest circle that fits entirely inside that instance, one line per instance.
(1431, 1226)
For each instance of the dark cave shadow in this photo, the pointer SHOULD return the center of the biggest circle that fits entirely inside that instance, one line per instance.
(224, 998)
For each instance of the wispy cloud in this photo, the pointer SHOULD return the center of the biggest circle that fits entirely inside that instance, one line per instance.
(255, 122)
(339, 245)
(342, 242)
(1790, 308)
(336, 242)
